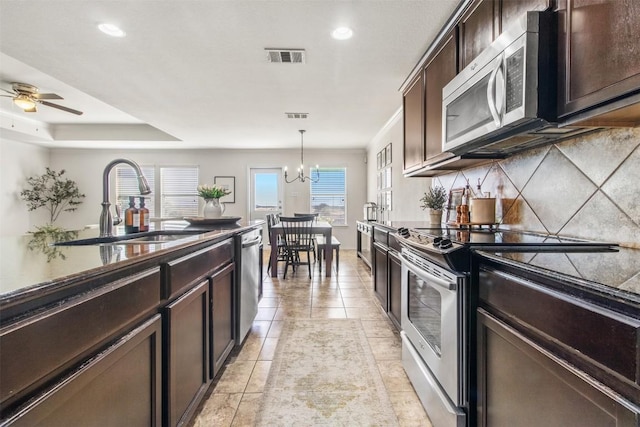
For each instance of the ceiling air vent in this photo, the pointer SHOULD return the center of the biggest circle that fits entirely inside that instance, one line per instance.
(297, 115)
(288, 56)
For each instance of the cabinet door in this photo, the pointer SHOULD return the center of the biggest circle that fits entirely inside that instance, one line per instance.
(222, 319)
(511, 10)
(413, 113)
(477, 30)
(187, 353)
(395, 288)
(118, 387)
(438, 72)
(599, 57)
(380, 278)
(518, 380)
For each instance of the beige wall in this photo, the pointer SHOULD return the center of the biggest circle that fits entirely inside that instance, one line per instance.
(405, 192)
(19, 161)
(86, 166)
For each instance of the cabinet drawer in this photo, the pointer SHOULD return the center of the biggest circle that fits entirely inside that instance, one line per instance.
(40, 347)
(119, 386)
(587, 333)
(187, 271)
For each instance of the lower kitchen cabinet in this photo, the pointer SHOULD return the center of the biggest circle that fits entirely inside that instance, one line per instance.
(380, 274)
(187, 352)
(222, 318)
(120, 386)
(537, 361)
(395, 288)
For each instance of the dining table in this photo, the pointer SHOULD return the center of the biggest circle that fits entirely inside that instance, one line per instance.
(318, 227)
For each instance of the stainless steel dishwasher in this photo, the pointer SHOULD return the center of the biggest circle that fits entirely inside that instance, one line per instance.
(248, 273)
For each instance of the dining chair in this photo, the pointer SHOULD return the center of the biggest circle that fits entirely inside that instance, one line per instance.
(315, 220)
(298, 238)
(280, 252)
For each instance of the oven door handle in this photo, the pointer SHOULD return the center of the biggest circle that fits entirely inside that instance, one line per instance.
(425, 274)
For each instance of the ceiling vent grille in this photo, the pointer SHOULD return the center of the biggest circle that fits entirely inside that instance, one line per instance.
(287, 56)
(297, 115)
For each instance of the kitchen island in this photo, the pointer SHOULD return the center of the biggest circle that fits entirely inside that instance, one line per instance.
(121, 333)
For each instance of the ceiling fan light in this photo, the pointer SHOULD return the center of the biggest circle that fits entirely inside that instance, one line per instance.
(111, 30)
(24, 102)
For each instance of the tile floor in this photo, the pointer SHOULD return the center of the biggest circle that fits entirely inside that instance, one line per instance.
(234, 398)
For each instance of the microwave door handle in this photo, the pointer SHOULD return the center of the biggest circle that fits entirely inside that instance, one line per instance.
(491, 88)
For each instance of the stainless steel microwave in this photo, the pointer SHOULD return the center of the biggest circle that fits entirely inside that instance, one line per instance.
(506, 98)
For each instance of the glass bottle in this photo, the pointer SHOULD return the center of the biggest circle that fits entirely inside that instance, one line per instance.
(131, 217)
(144, 216)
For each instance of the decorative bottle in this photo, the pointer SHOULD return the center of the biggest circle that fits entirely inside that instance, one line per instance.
(131, 217)
(144, 216)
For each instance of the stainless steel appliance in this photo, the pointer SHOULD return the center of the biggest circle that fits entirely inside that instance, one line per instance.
(436, 306)
(364, 242)
(370, 211)
(505, 100)
(248, 267)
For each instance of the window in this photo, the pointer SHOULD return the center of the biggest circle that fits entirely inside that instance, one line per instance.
(179, 191)
(329, 194)
(174, 193)
(127, 185)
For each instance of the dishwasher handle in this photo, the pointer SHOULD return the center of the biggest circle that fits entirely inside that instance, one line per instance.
(252, 242)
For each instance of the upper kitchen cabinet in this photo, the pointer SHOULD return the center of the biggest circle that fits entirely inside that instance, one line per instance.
(478, 28)
(413, 108)
(438, 72)
(485, 20)
(599, 62)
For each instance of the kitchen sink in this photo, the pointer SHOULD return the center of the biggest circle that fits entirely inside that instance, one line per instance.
(151, 237)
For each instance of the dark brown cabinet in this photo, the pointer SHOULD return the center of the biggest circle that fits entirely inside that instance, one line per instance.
(599, 57)
(119, 386)
(380, 274)
(395, 288)
(222, 317)
(478, 28)
(187, 355)
(536, 349)
(438, 72)
(413, 116)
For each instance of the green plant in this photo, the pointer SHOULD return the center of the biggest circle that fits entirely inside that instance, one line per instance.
(212, 191)
(53, 192)
(435, 198)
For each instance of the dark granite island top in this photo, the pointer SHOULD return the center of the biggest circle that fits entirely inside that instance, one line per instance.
(31, 267)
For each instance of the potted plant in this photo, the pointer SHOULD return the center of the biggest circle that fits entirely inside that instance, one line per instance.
(211, 195)
(435, 199)
(53, 192)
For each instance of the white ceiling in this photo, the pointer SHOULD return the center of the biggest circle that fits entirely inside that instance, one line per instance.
(195, 71)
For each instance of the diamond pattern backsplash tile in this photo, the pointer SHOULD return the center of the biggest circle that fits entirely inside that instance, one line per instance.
(587, 187)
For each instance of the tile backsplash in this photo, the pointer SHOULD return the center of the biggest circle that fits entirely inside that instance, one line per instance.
(587, 187)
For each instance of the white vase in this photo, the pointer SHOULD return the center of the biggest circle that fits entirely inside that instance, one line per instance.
(213, 208)
(435, 217)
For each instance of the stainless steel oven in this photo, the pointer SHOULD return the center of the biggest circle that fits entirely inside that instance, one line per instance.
(364, 242)
(433, 315)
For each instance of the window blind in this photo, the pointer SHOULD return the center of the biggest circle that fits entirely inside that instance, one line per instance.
(179, 191)
(127, 185)
(328, 195)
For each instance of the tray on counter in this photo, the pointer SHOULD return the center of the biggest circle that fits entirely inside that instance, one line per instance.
(199, 220)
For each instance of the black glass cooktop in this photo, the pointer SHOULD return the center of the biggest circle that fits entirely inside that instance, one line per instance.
(515, 240)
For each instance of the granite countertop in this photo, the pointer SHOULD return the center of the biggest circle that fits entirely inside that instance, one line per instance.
(28, 263)
(614, 273)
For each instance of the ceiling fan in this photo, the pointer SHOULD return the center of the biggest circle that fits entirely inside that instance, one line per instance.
(26, 96)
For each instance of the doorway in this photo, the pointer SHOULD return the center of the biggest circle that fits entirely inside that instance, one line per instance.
(266, 192)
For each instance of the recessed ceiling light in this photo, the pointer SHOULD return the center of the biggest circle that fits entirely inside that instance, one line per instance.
(342, 33)
(111, 30)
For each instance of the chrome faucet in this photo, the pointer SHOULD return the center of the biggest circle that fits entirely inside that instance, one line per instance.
(106, 222)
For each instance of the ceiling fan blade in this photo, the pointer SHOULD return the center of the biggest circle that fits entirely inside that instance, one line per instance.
(60, 107)
(8, 96)
(9, 91)
(47, 96)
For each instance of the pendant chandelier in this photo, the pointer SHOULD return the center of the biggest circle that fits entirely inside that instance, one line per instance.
(301, 177)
